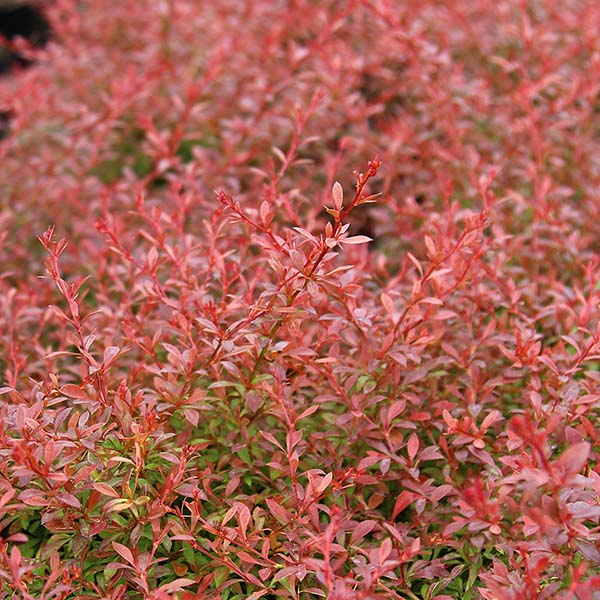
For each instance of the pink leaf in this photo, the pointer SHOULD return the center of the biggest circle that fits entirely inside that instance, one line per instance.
(109, 354)
(572, 460)
(278, 511)
(72, 391)
(271, 438)
(355, 240)
(338, 196)
(243, 517)
(177, 584)
(69, 500)
(362, 529)
(307, 412)
(385, 550)
(124, 552)
(152, 257)
(105, 489)
(191, 416)
(7, 496)
(324, 483)
(247, 558)
(412, 446)
(404, 499)
(307, 235)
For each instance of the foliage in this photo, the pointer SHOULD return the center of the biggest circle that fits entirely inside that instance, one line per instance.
(235, 394)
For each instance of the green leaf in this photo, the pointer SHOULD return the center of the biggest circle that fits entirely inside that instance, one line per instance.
(221, 575)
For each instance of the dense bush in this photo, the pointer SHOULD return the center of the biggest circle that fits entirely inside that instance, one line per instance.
(215, 388)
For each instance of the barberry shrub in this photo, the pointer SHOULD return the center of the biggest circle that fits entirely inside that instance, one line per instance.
(301, 299)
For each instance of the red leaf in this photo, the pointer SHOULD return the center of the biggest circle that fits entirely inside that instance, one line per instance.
(278, 511)
(106, 490)
(307, 412)
(324, 483)
(232, 485)
(404, 499)
(124, 552)
(572, 460)
(33, 498)
(271, 438)
(243, 517)
(7, 496)
(412, 446)
(177, 584)
(362, 529)
(191, 416)
(245, 557)
(385, 550)
(69, 500)
(72, 391)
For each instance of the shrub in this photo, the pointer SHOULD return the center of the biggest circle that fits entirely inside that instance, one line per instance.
(220, 388)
